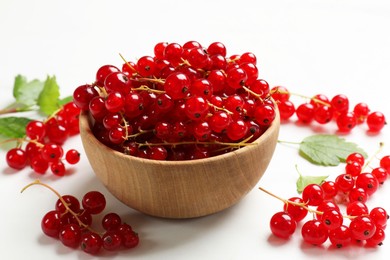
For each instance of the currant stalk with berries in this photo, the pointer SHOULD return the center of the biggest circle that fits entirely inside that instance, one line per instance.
(350, 190)
(71, 222)
(322, 110)
(41, 147)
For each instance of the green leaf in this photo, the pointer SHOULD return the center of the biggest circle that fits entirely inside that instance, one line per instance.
(48, 100)
(27, 92)
(303, 181)
(13, 127)
(65, 100)
(327, 150)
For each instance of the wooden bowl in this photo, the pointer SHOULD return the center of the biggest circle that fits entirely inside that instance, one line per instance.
(180, 189)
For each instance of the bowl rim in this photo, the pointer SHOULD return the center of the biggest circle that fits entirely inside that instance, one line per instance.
(85, 122)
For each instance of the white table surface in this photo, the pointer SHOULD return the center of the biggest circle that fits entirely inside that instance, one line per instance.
(309, 46)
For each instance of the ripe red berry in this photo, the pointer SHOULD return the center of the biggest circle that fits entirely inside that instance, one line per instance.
(376, 121)
(94, 202)
(282, 225)
(16, 158)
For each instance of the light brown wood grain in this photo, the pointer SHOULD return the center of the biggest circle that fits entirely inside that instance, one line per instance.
(180, 189)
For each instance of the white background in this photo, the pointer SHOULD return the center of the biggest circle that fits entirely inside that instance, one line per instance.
(309, 46)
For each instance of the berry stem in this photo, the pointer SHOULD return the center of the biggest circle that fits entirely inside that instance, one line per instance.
(127, 63)
(288, 142)
(381, 145)
(68, 209)
(303, 205)
(302, 96)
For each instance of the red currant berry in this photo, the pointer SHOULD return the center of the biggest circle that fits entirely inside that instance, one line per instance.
(340, 237)
(340, 103)
(71, 202)
(356, 208)
(377, 239)
(361, 112)
(313, 194)
(376, 121)
(357, 194)
(35, 130)
(305, 112)
(367, 182)
(282, 225)
(385, 163)
(362, 228)
(52, 152)
(51, 223)
(314, 232)
(346, 122)
(286, 109)
(264, 114)
(91, 243)
(344, 182)
(58, 168)
(330, 190)
(280, 94)
(296, 212)
(177, 85)
(103, 72)
(332, 219)
(379, 216)
(70, 235)
(94, 202)
(72, 156)
(380, 173)
(16, 158)
(112, 240)
(111, 221)
(82, 95)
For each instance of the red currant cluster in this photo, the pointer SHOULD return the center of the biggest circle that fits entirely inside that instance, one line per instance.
(42, 146)
(71, 222)
(185, 102)
(354, 187)
(322, 110)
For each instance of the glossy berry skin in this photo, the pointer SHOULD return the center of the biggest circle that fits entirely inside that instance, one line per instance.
(70, 235)
(130, 239)
(344, 182)
(16, 158)
(379, 216)
(376, 121)
(51, 223)
(314, 232)
(313, 194)
(112, 240)
(377, 239)
(83, 95)
(362, 228)
(356, 208)
(368, 182)
(330, 190)
(346, 122)
(71, 202)
(72, 156)
(332, 219)
(340, 237)
(385, 163)
(91, 243)
(94, 202)
(264, 114)
(177, 85)
(111, 221)
(282, 225)
(305, 113)
(295, 211)
(35, 130)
